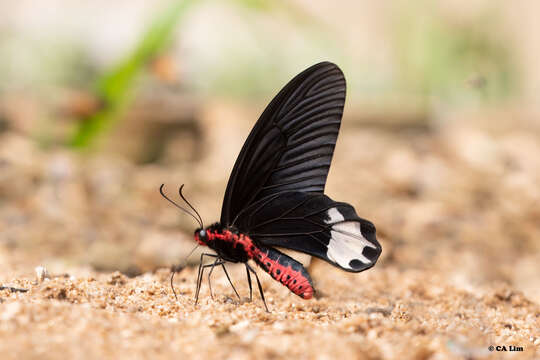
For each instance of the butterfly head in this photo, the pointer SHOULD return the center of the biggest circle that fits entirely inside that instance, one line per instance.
(201, 236)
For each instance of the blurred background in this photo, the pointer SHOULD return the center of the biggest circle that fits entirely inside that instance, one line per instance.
(101, 102)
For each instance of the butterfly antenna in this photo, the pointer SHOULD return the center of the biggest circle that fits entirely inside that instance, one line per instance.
(191, 206)
(178, 268)
(199, 220)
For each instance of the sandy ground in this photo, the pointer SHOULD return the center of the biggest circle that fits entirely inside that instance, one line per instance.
(386, 313)
(456, 210)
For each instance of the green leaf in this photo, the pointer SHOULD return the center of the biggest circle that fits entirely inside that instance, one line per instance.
(115, 87)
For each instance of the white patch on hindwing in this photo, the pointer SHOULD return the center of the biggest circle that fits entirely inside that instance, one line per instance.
(346, 242)
(334, 215)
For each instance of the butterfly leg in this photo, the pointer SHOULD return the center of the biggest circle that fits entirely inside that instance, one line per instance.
(199, 276)
(172, 284)
(249, 282)
(174, 270)
(228, 278)
(211, 266)
(218, 261)
(222, 263)
(259, 285)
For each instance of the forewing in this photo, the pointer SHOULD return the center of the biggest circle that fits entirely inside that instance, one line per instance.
(313, 223)
(290, 147)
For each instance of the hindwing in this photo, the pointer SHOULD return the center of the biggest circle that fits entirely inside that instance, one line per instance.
(314, 224)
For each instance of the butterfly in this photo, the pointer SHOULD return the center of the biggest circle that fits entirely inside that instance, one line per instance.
(275, 194)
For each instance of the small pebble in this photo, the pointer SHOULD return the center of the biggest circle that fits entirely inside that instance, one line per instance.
(41, 274)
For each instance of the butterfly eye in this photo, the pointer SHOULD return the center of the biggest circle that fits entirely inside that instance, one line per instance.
(202, 234)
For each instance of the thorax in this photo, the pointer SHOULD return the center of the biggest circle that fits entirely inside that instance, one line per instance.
(228, 243)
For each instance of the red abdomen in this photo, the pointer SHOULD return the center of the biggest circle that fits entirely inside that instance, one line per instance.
(281, 267)
(240, 248)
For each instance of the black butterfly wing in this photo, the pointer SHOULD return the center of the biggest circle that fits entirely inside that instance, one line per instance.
(314, 224)
(290, 147)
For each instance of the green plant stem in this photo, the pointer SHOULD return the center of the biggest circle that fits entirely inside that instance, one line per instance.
(115, 87)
